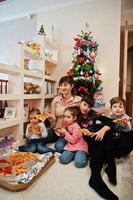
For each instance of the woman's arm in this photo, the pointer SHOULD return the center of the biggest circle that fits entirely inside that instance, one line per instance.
(52, 117)
(99, 135)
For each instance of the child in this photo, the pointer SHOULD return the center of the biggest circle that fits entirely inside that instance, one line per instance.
(76, 147)
(35, 132)
(123, 135)
(100, 141)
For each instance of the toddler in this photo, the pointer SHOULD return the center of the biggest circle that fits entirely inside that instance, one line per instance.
(35, 133)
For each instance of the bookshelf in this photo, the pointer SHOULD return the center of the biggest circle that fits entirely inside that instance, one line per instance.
(41, 71)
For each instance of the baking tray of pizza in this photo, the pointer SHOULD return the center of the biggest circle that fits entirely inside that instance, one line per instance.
(20, 169)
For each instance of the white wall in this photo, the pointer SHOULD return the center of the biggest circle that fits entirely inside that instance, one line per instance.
(103, 17)
(13, 31)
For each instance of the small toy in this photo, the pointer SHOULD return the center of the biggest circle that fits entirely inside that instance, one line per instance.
(30, 88)
(26, 63)
(35, 47)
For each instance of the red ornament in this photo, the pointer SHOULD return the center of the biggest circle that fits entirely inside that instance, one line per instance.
(83, 89)
(69, 72)
(77, 41)
(98, 73)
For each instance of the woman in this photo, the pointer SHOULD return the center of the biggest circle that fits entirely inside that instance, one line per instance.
(65, 99)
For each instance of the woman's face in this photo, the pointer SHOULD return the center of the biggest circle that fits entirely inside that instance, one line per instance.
(118, 109)
(66, 88)
(84, 108)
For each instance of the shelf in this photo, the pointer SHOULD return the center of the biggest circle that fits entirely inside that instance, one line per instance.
(9, 122)
(8, 69)
(28, 52)
(33, 74)
(50, 43)
(49, 96)
(49, 78)
(50, 61)
(9, 97)
(33, 96)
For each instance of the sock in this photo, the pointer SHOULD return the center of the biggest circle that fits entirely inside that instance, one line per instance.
(111, 173)
(101, 188)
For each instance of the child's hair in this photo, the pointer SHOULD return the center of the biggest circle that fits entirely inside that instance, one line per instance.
(68, 79)
(117, 100)
(34, 111)
(89, 100)
(74, 110)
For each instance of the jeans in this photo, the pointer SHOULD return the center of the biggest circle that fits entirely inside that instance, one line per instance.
(59, 145)
(35, 145)
(79, 157)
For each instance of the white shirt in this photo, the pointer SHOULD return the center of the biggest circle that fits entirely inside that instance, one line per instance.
(32, 135)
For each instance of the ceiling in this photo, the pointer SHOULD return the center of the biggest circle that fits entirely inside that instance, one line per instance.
(11, 9)
(4, 1)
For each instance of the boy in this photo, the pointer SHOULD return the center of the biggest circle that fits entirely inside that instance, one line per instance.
(123, 135)
(100, 141)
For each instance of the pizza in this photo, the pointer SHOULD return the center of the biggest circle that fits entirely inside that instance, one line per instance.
(43, 116)
(16, 164)
(122, 120)
(36, 128)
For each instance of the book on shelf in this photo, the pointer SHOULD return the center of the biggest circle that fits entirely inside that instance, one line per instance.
(49, 87)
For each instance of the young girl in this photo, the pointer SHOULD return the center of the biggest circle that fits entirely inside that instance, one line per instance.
(35, 133)
(100, 140)
(123, 135)
(76, 147)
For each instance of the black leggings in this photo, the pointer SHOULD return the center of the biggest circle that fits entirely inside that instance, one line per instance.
(123, 145)
(101, 152)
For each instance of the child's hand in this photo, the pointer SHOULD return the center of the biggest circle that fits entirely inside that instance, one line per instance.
(123, 121)
(35, 128)
(30, 128)
(60, 131)
(86, 132)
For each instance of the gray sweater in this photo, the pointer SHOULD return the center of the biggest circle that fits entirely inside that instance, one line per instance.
(124, 127)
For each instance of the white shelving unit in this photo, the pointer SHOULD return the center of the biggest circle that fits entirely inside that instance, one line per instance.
(51, 61)
(42, 70)
(13, 97)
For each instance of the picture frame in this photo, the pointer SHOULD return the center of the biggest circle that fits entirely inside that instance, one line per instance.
(10, 112)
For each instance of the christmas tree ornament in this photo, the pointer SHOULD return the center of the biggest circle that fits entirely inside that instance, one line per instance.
(41, 31)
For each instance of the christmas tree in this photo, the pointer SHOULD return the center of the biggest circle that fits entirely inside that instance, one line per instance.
(83, 69)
